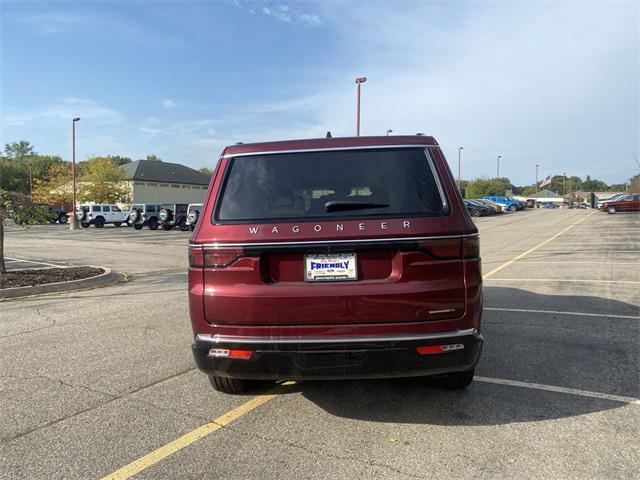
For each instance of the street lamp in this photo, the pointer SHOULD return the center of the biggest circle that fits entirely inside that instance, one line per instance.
(564, 176)
(389, 132)
(359, 81)
(459, 157)
(498, 167)
(73, 224)
(537, 176)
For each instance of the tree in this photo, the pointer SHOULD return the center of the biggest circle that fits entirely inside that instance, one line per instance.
(590, 185)
(120, 160)
(18, 208)
(634, 184)
(14, 177)
(102, 180)
(153, 158)
(56, 188)
(480, 187)
(205, 170)
(18, 150)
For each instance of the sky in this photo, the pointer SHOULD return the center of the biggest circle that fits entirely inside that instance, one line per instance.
(555, 84)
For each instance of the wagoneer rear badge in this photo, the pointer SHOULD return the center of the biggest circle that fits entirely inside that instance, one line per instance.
(338, 227)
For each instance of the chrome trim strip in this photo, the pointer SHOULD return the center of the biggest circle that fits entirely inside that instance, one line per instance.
(436, 179)
(224, 339)
(330, 149)
(322, 242)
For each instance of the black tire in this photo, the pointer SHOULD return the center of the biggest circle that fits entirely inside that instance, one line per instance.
(98, 222)
(63, 218)
(166, 227)
(137, 226)
(85, 224)
(512, 208)
(475, 213)
(228, 385)
(153, 223)
(458, 380)
(117, 224)
(182, 225)
(611, 210)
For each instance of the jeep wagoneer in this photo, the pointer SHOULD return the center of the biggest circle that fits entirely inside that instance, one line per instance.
(336, 258)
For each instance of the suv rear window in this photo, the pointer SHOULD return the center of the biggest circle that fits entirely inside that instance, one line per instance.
(335, 184)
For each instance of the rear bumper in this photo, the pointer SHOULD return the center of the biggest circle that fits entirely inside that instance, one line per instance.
(331, 358)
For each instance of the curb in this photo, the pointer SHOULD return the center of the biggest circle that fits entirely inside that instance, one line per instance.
(105, 279)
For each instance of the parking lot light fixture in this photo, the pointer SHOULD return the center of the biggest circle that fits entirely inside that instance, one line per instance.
(389, 132)
(359, 81)
(459, 166)
(73, 223)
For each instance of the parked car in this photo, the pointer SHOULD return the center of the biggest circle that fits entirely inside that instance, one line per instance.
(600, 203)
(505, 202)
(193, 214)
(173, 216)
(548, 205)
(100, 215)
(626, 203)
(144, 215)
(494, 206)
(55, 214)
(477, 209)
(531, 202)
(335, 258)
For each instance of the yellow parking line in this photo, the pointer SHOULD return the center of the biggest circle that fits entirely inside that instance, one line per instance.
(193, 436)
(531, 250)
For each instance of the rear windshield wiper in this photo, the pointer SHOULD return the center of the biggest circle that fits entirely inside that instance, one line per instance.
(335, 206)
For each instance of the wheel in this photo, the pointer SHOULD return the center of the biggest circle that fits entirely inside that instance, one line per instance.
(228, 385)
(85, 224)
(117, 224)
(611, 209)
(475, 213)
(512, 208)
(192, 227)
(166, 227)
(458, 380)
(98, 222)
(137, 226)
(153, 223)
(63, 218)
(183, 225)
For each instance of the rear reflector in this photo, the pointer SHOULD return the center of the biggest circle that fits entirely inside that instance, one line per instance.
(231, 353)
(436, 349)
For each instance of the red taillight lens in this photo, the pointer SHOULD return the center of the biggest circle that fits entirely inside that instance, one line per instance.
(196, 257)
(471, 247)
(436, 349)
(231, 353)
(441, 248)
(221, 258)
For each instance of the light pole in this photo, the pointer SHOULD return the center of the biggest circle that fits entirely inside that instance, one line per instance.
(537, 177)
(459, 164)
(498, 167)
(73, 224)
(389, 132)
(359, 81)
(564, 176)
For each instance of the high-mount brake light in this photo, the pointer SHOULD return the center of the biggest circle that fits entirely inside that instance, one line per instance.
(231, 353)
(437, 349)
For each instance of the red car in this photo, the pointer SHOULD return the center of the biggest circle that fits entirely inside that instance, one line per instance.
(626, 203)
(335, 258)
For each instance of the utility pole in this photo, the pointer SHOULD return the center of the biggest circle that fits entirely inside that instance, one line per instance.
(564, 176)
(537, 176)
(73, 224)
(498, 167)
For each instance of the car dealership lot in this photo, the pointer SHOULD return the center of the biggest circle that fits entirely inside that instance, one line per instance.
(93, 381)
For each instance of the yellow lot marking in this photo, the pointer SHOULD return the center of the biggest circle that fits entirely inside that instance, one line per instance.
(533, 249)
(187, 439)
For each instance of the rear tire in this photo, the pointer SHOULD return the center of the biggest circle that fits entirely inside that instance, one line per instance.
(98, 222)
(117, 224)
(228, 385)
(85, 224)
(137, 226)
(512, 208)
(611, 210)
(183, 226)
(153, 224)
(475, 213)
(166, 227)
(63, 218)
(458, 380)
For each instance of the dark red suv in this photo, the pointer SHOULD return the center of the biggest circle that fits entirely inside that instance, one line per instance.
(335, 258)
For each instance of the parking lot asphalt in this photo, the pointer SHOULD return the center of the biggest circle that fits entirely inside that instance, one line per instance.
(92, 382)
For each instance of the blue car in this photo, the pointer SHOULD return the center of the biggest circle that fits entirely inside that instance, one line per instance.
(505, 202)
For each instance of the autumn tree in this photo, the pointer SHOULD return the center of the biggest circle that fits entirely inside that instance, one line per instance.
(56, 187)
(205, 170)
(102, 180)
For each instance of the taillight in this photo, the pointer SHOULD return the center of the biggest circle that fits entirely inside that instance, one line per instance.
(445, 248)
(471, 247)
(200, 257)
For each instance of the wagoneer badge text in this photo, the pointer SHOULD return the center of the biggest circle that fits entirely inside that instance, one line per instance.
(339, 227)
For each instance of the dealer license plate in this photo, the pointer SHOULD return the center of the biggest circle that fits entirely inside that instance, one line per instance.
(330, 268)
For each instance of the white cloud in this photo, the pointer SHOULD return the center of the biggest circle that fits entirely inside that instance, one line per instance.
(168, 104)
(65, 109)
(290, 13)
